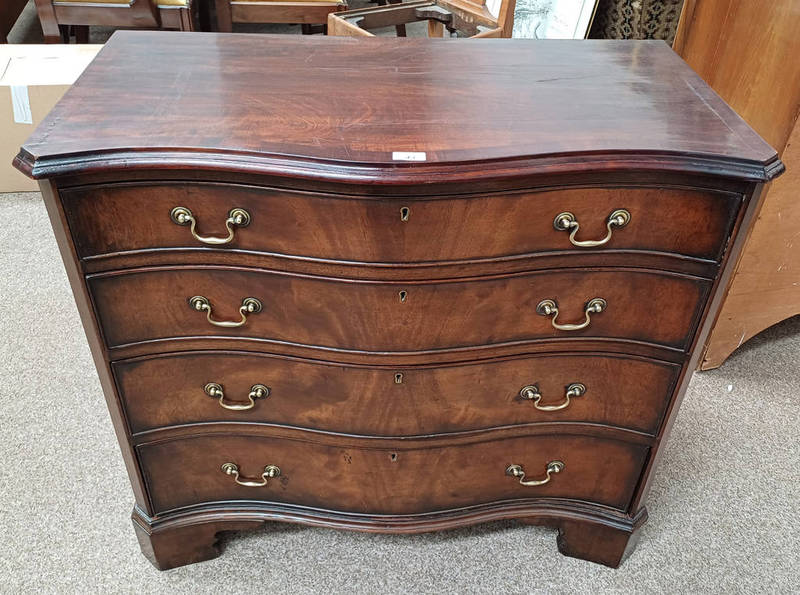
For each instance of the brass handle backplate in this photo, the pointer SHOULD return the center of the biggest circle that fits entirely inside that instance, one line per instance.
(249, 305)
(566, 221)
(518, 471)
(257, 391)
(531, 392)
(270, 472)
(236, 218)
(550, 308)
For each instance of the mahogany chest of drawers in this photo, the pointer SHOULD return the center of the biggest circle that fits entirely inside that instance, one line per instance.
(402, 287)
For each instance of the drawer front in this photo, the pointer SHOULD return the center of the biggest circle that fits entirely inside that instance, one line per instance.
(392, 317)
(120, 218)
(618, 391)
(384, 480)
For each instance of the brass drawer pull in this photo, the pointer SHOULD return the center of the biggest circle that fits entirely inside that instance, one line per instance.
(249, 305)
(566, 221)
(270, 472)
(550, 308)
(531, 392)
(518, 471)
(236, 218)
(257, 391)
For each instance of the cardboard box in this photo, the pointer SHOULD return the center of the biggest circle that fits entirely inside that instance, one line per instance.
(32, 80)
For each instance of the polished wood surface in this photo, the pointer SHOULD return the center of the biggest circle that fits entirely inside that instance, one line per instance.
(367, 479)
(761, 80)
(646, 105)
(621, 391)
(353, 295)
(365, 316)
(337, 227)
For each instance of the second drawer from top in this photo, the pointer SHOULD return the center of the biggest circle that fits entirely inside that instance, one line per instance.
(158, 303)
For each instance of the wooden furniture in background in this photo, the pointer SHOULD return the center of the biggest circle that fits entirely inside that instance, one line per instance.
(329, 305)
(748, 53)
(57, 15)
(303, 12)
(9, 13)
(444, 18)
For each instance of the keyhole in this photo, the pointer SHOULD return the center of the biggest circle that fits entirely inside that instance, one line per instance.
(398, 378)
(403, 296)
(393, 457)
(404, 213)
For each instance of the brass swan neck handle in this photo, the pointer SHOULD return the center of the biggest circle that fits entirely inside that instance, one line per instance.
(236, 218)
(257, 391)
(270, 472)
(550, 308)
(250, 305)
(531, 392)
(566, 221)
(551, 468)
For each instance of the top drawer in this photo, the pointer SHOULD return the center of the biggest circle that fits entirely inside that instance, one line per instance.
(130, 217)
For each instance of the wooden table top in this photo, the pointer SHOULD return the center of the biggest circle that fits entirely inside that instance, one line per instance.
(242, 101)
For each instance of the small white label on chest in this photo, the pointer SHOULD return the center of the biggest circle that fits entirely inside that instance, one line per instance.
(409, 156)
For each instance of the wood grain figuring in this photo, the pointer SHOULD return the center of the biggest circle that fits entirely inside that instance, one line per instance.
(117, 219)
(153, 304)
(761, 80)
(620, 391)
(354, 296)
(646, 102)
(385, 480)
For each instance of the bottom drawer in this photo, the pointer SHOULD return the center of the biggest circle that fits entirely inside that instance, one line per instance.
(373, 477)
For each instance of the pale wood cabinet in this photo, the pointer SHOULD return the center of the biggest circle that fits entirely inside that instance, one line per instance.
(748, 52)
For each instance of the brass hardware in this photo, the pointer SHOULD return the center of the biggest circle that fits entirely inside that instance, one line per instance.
(566, 221)
(270, 472)
(403, 296)
(405, 212)
(236, 218)
(257, 391)
(398, 378)
(550, 308)
(518, 471)
(531, 392)
(249, 305)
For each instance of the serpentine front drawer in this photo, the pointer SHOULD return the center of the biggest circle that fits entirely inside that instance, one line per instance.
(352, 315)
(209, 386)
(112, 219)
(391, 478)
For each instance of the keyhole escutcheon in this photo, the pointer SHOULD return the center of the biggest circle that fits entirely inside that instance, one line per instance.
(405, 212)
(403, 296)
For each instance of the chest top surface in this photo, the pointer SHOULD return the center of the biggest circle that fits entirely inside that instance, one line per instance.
(249, 102)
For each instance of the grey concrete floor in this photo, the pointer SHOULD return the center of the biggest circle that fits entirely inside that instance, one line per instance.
(723, 508)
